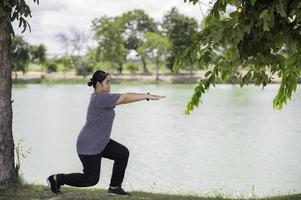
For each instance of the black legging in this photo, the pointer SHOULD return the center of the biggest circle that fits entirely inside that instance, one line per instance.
(91, 164)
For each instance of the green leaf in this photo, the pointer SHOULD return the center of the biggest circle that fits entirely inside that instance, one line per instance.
(280, 8)
(193, 1)
(24, 24)
(20, 22)
(253, 2)
(268, 19)
(196, 97)
(208, 73)
(217, 36)
(14, 16)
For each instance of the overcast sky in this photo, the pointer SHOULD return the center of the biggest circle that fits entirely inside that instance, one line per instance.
(51, 17)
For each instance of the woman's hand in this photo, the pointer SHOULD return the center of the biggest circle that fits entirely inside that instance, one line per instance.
(154, 97)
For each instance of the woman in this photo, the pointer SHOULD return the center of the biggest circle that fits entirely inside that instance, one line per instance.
(94, 143)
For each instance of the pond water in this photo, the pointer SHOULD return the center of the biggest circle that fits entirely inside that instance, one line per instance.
(234, 142)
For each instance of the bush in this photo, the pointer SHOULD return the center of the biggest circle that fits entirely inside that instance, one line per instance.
(132, 68)
(51, 67)
(84, 70)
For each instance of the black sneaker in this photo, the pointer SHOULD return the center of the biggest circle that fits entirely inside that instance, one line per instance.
(53, 185)
(118, 191)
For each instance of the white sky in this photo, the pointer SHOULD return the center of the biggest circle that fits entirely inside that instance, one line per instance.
(51, 17)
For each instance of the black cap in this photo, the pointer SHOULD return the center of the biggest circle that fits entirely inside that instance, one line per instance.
(99, 76)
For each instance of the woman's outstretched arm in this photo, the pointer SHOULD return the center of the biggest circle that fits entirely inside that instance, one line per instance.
(133, 97)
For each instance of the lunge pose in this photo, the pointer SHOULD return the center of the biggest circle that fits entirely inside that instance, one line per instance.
(94, 142)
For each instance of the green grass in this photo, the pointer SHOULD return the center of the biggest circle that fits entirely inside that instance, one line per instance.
(33, 67)
(34, 191)
(50, 81)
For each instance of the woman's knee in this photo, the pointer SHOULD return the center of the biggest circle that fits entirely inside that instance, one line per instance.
(126, 153)
(92, 180)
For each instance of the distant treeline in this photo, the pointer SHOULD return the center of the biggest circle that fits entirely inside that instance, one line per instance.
(129, 42)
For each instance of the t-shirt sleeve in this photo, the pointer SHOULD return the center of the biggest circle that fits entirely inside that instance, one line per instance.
(108, 100)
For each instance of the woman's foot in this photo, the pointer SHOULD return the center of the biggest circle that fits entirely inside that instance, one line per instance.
(53, 185)
(117, 191)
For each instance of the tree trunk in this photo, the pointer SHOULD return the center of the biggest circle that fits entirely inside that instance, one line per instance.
(120, 68)
(157, 70)
(145, 70)
(16, 76)
(7, 164)
(191, 71)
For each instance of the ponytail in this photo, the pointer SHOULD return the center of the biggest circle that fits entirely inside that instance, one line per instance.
(90, 83)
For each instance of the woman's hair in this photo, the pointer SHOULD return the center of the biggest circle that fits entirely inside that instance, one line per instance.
(99, 76)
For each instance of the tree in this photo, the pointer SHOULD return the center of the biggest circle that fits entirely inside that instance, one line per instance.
(108, 34)
(180, 30)
(51, 65)
(92, 58)
(260, 36)
(157, 46)
(10, 10)
(73, 43)
(136, 23)
(38, 55)
(20, 54)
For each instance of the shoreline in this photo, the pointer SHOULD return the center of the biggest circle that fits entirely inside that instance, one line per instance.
(71, 77)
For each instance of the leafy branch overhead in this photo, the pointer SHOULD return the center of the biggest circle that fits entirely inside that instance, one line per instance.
(14, 10)
(261, 37)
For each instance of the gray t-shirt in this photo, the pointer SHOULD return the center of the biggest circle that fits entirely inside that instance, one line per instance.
(95, 134)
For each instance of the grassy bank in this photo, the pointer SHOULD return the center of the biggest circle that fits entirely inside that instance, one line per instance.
(30, 191)
(80, 81)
